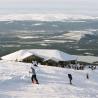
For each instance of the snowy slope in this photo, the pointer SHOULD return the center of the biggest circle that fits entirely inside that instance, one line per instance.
(15, 82)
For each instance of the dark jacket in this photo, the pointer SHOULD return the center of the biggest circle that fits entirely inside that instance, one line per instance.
(70, 76)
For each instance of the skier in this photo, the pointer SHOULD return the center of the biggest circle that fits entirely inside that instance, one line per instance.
(87, 76)
(70, 78)
(33, 77)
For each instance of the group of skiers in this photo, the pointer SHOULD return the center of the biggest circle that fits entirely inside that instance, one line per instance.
(76, 66)
(35, 80)
(93, 67)
(34, 77)
(70, 77)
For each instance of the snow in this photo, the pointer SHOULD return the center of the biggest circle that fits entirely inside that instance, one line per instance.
(47, 54)
(18, 55)
(88, 59)
(55, 41)
(77, 35)
(43, 53)
(27, 37)
(73, 35)
(15, 82)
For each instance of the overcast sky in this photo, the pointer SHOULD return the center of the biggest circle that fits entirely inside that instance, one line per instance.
(89, 7)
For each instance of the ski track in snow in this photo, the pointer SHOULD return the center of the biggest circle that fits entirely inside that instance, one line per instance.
(15, 82)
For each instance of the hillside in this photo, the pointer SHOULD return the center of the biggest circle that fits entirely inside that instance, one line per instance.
(77, 35)
(15, 82)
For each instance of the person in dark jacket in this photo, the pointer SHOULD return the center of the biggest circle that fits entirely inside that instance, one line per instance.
(87, 76)
(33, 77)
(70, 78)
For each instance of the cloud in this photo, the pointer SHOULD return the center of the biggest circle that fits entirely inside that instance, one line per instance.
(49, 1)
(78, 6)
(70, 3)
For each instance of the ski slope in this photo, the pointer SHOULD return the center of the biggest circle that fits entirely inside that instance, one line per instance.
(15, 82)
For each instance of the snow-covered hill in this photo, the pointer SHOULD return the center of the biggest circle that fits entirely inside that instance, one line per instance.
(15, 82)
